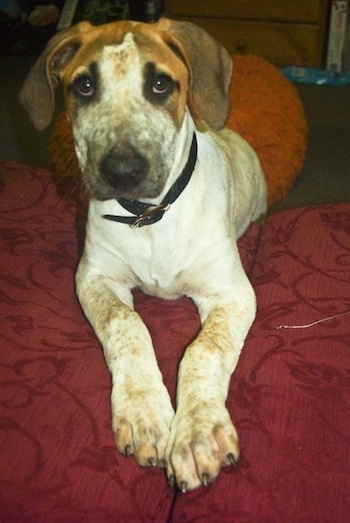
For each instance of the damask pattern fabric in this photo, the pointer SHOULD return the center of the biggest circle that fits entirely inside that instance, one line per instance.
(289, 396)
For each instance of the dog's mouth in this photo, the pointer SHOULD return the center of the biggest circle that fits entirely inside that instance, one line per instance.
(133, 189)
(107, 186)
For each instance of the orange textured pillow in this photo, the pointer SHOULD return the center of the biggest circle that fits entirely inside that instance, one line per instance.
(265, 109)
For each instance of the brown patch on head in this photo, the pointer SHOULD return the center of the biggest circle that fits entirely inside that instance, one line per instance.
(62, 55)
(183, 51)
(162, 63)
(90, 51)
(166, 77)
(209, 66)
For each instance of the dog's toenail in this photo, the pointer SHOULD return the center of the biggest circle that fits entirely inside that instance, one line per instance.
(183, 487)
(152, 462)
(205, 479)
(232, 460)
(171, 480)
(127, 450)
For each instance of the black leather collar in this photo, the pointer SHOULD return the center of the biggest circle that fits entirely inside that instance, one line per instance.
(146, 213)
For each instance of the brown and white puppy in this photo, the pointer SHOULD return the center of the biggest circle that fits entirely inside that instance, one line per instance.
(138, 97)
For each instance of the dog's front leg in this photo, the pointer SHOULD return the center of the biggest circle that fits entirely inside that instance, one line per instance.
(141, 406)
(203, 438)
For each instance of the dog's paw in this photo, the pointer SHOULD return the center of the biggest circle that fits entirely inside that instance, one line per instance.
(141, 425)
(201, 442)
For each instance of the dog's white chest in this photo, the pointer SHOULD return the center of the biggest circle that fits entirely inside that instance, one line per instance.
(163, 267)
(152, 258)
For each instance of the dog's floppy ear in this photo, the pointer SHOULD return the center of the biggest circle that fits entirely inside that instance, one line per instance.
(37, 96)
(210, 68)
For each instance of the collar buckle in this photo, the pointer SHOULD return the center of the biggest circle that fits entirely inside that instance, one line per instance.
(148, 213)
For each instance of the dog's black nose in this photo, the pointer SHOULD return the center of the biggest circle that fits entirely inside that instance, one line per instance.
(124, 168)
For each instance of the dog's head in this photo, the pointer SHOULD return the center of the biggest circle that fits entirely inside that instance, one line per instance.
(127, 88)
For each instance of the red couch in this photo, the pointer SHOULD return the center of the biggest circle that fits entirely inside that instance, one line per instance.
(289, 397)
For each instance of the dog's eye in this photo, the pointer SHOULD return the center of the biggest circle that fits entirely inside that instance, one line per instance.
(162, 84)
(84, 86)
(158, 86)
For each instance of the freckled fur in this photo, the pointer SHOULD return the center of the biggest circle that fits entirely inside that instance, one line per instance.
(191, 251)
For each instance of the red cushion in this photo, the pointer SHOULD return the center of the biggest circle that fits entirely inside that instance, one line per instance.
(288, 396)
(58, 458)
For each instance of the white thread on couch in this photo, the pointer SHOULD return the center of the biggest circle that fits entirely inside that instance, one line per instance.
(307, 325)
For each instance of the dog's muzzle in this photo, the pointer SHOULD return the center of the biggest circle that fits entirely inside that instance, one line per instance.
(146, 213)
(123, 168)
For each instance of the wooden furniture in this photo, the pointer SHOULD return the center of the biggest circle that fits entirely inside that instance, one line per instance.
(285, 32)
